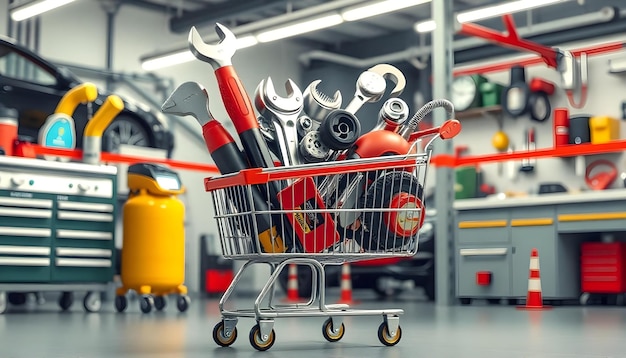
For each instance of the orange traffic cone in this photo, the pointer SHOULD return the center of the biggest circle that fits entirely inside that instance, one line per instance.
(534, 301)
(346, 285)
(292, 284)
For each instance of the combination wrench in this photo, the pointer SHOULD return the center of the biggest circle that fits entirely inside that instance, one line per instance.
(371, 85)
(284, 112)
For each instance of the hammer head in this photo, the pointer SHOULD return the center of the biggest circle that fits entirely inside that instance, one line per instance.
(218, 55)
(189, 99)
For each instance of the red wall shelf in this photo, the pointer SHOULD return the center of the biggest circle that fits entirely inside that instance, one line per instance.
(447, 160)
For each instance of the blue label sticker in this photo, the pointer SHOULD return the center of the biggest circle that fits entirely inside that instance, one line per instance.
(60, 135)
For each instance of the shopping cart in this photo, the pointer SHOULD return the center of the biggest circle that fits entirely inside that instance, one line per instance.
(330, 213)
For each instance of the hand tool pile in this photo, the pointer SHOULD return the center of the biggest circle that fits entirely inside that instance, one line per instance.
(308, 129)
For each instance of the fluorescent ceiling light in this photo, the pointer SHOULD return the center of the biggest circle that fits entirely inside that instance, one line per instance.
(300, 28)
(361, 12)
(490, 12)
(36, 8)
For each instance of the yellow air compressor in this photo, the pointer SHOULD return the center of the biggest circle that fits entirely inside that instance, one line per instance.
(153, 249)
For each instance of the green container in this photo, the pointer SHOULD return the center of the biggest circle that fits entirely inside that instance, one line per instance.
(466, 182)
(491, 93)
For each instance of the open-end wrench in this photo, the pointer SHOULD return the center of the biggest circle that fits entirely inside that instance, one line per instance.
(317, 105)
(284, 112)
(236, 100)
(371, 85)
(191, 98)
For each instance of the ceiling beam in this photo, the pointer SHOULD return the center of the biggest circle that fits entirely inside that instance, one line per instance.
(220, 12)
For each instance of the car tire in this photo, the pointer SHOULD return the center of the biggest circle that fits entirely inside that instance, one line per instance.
(128, 130)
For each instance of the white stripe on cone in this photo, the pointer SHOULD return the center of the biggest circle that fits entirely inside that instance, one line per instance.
(346, 282)
(534, 263)
(292, 277)
(534, 285)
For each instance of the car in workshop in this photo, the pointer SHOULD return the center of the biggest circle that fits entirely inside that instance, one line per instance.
(387, 277)
(34, 86)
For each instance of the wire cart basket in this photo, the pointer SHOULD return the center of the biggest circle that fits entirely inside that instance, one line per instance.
(320, 214)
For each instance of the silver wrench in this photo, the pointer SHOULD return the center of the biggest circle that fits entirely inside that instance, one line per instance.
(371, 85)
(284, 112)
(317, 104)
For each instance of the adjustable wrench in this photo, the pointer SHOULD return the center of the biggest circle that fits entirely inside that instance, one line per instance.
(234, 96)
(284, 112)
(191, 98)
(371, 85)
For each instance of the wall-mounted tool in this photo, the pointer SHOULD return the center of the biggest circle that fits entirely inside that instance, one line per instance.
(284, 113)
(574, 78)
(190, 98)
(561, 127)
(92, 136)
(236, 100)
(59, 130)
(604, 129)
(539, 101)
(515, 95)
(491, 93)
(528, 164)
(371, 85)
(579, 130)
(465, 92)
(600, 174)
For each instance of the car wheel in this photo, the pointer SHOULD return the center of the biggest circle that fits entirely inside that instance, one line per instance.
(126, 130)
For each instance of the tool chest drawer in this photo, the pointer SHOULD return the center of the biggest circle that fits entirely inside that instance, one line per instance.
(603, 267)
(601, 216)
(483, 271)
(482, 227)
(24, 263)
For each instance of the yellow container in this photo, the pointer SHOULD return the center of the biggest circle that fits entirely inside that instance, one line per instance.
(153, 251)
(604, 129)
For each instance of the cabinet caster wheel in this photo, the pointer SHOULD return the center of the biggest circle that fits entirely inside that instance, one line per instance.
(146, 304)
(220, 338)
(66, 300)
(121, 303)
(160, 302)
(183, 303)
(465, 301)
(92, 302)
(329, 332)
(258, 342)
(4, 302)
(386, 338)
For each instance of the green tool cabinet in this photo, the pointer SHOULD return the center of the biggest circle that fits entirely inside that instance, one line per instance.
(57, 228)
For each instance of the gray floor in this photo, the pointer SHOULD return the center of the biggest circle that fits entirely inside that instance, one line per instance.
(428, 331)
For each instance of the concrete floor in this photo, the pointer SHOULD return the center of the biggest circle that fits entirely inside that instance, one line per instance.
(428, 331)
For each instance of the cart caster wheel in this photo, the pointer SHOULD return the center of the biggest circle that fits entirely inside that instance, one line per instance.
(121, 303)
(584, 298)
(183, 303)
(66, 300)
(92, 302)
(330, 334)
(146, 304)
(257, 342)
(386, 338)
(160, 302)
(4, 303)
(220, 338)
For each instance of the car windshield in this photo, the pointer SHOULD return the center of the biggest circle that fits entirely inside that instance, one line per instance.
(14, 65)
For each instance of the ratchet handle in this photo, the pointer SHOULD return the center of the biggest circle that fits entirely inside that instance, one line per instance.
(222, 148)
(236, 100)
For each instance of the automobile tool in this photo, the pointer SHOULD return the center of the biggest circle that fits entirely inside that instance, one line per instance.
(393, 113)
(236, 100)
(465, 91)
(317, 105)
(561, 127)
(8, 129)
(191, 98)
(339, 130)
(59, 130)
(283, 112)
(92, 136)
(538, 101)
(600, 179)
(579, 129)
(312, 149)
(515, 95)
(528, 164)
(371, 85)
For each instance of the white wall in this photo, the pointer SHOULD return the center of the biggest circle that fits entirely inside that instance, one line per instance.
(76, 34)
(604, 99)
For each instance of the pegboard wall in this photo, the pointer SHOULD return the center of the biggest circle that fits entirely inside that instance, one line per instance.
(605, 96)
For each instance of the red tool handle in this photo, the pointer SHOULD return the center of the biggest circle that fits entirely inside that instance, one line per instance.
(236, 100)
(541, 85)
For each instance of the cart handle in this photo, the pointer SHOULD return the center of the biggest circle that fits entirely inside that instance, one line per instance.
(449, 129)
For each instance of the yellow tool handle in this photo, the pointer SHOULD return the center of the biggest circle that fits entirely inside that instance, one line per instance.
(83, 93)
(111, 107)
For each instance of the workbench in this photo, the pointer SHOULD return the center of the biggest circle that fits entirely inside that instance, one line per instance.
(494, 238)
(57, 226)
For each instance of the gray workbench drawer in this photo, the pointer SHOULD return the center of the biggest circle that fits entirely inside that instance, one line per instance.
(600, 216)
(482, 227)
(473, 260)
